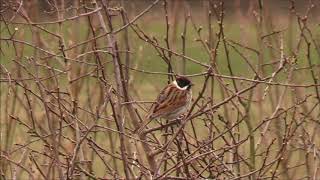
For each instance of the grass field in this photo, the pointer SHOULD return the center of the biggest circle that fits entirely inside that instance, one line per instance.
(56, 105)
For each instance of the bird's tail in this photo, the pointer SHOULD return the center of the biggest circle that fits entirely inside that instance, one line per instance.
(143, 126)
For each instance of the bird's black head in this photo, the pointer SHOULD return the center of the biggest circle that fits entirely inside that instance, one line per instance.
(183, 82)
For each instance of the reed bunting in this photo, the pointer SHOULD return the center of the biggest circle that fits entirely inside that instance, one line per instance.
(172, 101)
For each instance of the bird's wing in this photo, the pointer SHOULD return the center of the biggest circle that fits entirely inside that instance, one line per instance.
(169, 99)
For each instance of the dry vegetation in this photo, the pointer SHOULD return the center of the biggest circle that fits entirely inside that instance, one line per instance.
(76, 85)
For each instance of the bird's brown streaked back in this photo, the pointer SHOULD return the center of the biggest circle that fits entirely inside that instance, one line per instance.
(169, 99)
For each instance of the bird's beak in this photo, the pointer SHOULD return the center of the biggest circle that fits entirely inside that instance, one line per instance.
(191, 84)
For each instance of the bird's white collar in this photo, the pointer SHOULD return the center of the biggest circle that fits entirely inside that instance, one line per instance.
(176, 84)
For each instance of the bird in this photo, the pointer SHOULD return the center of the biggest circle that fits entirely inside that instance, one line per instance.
(173, 101)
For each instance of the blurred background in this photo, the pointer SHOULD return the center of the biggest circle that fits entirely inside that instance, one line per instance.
(52, 49)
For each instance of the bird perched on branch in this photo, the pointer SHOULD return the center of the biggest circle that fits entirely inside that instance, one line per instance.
(172, 101)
